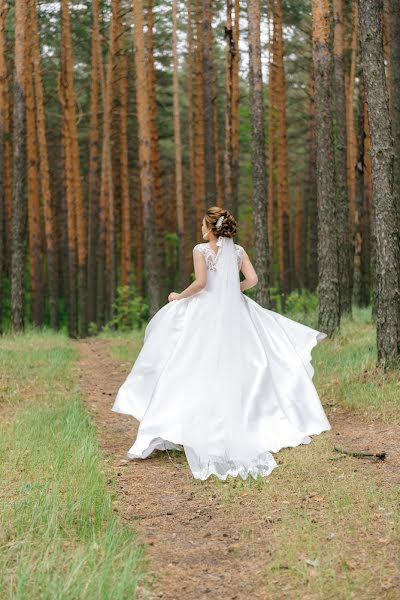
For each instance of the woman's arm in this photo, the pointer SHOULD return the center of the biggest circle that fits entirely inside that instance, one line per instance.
(200, 271)
(250, 275)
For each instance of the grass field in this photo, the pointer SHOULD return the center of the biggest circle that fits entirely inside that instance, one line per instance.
(59, 537)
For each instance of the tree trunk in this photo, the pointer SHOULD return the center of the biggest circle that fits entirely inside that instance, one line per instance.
(178, 154)
(146, 180)
(126, 238)
(209, 100)
(281, 155)
(155, 165)
(71, 124)
(47, 201)
(94, 184)
(192, 222)
(385, 225)
(3, 120)
(260, 183)
(328, 285)
(199, 135)
(19, 212)
(271, 134)
(350, 126)
(34, 224)
(395, 81)
(311, 197)
(342, 200)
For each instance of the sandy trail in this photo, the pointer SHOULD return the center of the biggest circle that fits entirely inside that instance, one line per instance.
(195, 547)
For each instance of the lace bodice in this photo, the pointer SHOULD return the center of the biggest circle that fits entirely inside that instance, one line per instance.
(211, 257)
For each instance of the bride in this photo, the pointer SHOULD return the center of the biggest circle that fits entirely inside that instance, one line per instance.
(219, 376)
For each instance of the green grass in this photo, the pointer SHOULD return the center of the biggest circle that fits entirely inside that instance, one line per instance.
(59, 536)
(124, 346)
(331, 529)
(346, 372)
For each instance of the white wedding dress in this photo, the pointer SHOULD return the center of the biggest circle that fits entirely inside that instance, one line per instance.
(223, 378)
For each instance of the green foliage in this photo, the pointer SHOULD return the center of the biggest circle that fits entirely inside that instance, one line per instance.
(131, 311)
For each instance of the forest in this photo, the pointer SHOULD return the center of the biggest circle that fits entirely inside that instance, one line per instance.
(120, 122)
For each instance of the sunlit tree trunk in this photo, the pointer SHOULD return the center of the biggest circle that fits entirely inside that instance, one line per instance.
(126, 238)
(19, 212)
(146, 183)
(34, 220)
(47, 200)
(328, 273)
(385, 223)
(72, 137)
(260, 183)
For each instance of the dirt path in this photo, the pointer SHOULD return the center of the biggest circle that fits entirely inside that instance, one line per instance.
(196, 548)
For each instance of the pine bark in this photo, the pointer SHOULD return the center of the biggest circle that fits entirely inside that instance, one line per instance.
(157, 180)
(382, 159)
(178, 153)
(209, 100)
(146, 177)
(34, 220)
(3, 119)
(259, 173)
(72, 136)
(94, 163)
(350, 78)
(192, 220)
(126, 238)
(271, 134)
(342, 200)
(199, 136)
(395, 112)
(328, 274)
(19, 209)
(47, 200)
(281, 154)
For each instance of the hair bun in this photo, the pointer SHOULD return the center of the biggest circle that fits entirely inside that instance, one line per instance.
(228, 227)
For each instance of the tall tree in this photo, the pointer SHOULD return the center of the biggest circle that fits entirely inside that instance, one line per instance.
(259, 173)
(93, 184)
(72, 138)
(209, 100)
(178, 151)
(126, 241)
(144, 132)
(385, 224)
(47, 201)
(33, 192)
(395, 112)
(281, 153)
(328, 274)
(3, 120)
(342, 200)
(157, 180)
(19, 212)
(199, 134)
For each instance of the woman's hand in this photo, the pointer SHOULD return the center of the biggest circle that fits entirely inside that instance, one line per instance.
(173, 296)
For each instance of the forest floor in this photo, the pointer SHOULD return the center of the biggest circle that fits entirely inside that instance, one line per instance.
(323, 525)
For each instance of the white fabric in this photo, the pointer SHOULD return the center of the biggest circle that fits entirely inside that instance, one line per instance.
(225, 378)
